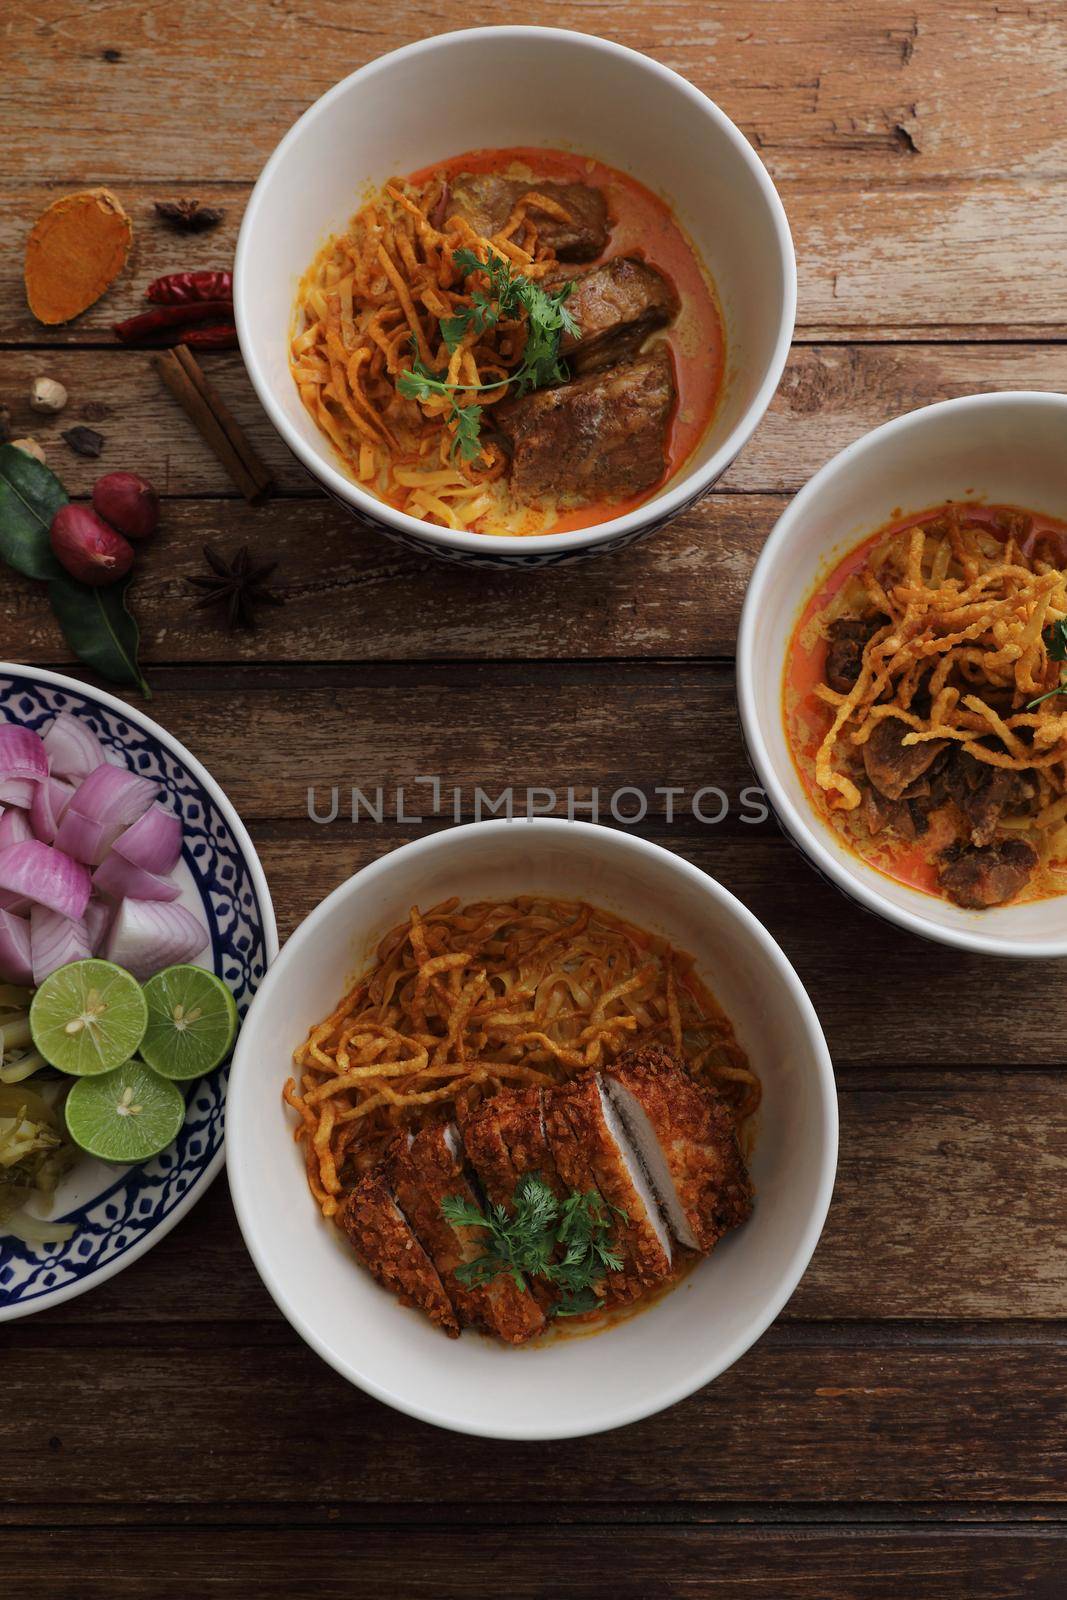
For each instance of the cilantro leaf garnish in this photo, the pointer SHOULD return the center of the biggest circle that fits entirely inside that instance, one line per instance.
(567, 1244)
(508, 296)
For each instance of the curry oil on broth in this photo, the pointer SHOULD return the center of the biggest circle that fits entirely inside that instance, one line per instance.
(807, 719)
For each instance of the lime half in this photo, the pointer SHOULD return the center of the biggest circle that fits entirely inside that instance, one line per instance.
(192, 1021)
(88, 1017)
(125, 1115)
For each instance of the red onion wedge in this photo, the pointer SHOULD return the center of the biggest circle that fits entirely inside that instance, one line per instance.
(114, 798)
(78, 837)
(154, 842)
(47, 876)
(17, 792)
(119, 879)
(97, 919)
(55, 941)
(15, 965)
(14, 827)
(73, 750)
(22, 754)
(50, 800)
(148, 935)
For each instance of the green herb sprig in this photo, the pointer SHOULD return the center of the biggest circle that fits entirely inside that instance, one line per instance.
(1055, 637)
(566, 1244)
(509, 294)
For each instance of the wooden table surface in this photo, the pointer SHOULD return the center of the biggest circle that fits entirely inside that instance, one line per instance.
(899, 1433)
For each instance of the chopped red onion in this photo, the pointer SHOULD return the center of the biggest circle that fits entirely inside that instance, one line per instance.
(97, 920)
(148, 935)
(80, 838)
(115, 798)
(50, 800)
(15, 964)
(22, 754)
(46, 875)
(14, 827)
(17, 792)
(154, 842)
(119, 879)
(55, 942)
(73, 750)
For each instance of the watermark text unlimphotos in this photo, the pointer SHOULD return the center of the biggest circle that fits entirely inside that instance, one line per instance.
(429, 799)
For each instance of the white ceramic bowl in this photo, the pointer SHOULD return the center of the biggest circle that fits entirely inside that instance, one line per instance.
(506, 87)
(999, 448)
(565, 1387)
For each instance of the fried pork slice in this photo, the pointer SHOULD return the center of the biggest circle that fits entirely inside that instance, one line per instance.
(379, 1234)
(687, 1142)
(504, 1139)
(616, 306)
(486, 200)
(592, 1153)
(425, 1172)
(598, 438)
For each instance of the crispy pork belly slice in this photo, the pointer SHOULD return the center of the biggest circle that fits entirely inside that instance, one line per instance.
(379, 1234)
(486, 200)
(687, 1142)
(592, 1152)
(423, 1173)
(598, 438)
(616, 306)
(504, 1139)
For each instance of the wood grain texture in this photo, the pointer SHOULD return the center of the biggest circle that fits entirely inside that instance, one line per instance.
(452, 1564)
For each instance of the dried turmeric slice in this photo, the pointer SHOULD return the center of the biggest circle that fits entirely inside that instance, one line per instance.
(77, 248)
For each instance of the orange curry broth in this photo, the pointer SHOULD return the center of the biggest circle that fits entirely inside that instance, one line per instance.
(641, 224)
(807, 718)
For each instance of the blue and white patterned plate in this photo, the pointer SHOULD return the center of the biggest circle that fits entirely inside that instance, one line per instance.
(120, 1212)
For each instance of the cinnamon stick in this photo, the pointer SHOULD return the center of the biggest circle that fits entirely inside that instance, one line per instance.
(206, 409)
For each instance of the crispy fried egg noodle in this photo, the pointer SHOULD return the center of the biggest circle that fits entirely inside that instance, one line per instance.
(375, 296)
(967, 641)
(462, 1002)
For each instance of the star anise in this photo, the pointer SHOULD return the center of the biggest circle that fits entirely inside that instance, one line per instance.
(237, 585)
(188, 214)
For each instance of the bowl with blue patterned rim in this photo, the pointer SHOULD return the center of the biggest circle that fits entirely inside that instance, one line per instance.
(120, 1212)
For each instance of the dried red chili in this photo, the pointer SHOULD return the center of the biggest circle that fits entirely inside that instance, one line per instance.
(222, 337)
(153, 327)
(179, 288)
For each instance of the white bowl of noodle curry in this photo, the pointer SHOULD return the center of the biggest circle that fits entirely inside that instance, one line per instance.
(501, 315)
(561, 888)
(903, 672)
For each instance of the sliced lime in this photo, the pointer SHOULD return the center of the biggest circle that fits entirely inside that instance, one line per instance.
(192, 1021)
(125, 1115)
(88, 1017)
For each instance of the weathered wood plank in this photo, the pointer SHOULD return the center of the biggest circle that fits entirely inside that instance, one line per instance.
(912, 260)
(856, 90)
(251, 1414)
(830, 394)
(405, 1563)
(351, 594)
(949, 1207)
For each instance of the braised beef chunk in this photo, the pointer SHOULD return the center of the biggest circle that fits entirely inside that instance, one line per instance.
(486, 200)
(983, 793)
(906, 818)
(616, 306)
(990, 875)
(844, 656)
(894, 767)
(601, 437)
